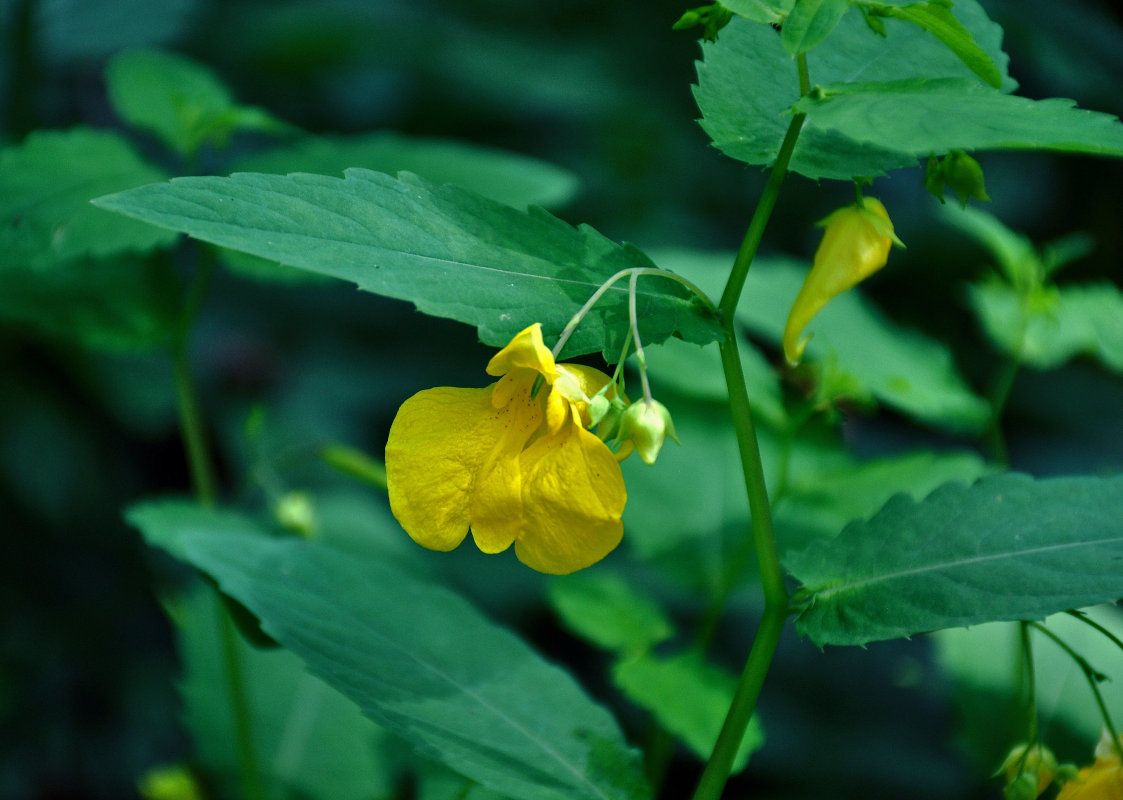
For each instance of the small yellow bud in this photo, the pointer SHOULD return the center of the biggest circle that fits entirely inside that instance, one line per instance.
(1028, 771)
(647, 423)
(169, 783)
(855, 245)
(296, 512)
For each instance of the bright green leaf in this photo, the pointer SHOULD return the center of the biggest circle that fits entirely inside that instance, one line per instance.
(608, 611)
(938, 20)
(756, 10)
(46, 184)
(689, 697)
(810, 22)
(505, 177)
(415, 657)
(452, 253)
(179, 100)
(1007, 547)
(1067, 322)
(935, 116)
(747, 85)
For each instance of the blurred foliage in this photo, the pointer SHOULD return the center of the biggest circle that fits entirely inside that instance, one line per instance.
(89, 663)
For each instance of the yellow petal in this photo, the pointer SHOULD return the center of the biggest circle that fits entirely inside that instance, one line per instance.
(1101, 781)
(573, 497)
(445, 445)
(527, 351)
(855, 245)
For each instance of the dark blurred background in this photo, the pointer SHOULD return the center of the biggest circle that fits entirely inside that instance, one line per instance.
(87, 665)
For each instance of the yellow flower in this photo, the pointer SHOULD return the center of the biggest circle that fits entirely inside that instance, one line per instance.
(855, 245)
(514, 462)
(1103, 780)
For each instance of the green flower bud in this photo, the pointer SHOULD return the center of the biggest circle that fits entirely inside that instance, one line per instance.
(295, 512)
(647, 423)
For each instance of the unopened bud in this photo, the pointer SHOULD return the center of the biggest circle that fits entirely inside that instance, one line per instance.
(647, 424)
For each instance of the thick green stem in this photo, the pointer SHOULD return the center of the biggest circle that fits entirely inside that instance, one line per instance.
(776, 605)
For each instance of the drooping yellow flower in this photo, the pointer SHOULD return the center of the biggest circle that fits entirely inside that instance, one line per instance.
(855, 245)
(1103, 780)
(513, 462)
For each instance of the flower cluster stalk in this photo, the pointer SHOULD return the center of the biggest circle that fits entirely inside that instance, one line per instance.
(776, 602)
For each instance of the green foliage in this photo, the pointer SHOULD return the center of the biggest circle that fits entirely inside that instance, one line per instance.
(603, 608)
(689, 697)
(900, 116)
(810, 22)
(747, 118)
(180, 101)
(901, 368)
(509, 178)
(46, 185)
(415, 657)
(312, 740)
(452, 253)
(1008, 547)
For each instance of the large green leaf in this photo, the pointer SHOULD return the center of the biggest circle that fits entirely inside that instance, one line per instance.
(505, 177)
(921, 116)
(179, 100)
(46, 184)
(747, 84)
(452, 253)
(416, 658)
(1008, 547)
(810, 22)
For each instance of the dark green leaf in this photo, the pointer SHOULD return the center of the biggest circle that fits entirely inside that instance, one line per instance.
(935, 116)
(605, 609)
(415, 657)
(310, 738)
(747, 85)
(46, 184)
(121, 304)
(1007, 547)
(452, 253)
(179, 100)
(810, 22)
(689, 697)
(509, 178)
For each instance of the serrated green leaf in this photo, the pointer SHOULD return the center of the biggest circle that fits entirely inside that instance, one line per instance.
(603, 608)
(1066, 322)
(505, 177)
(689, 697)
(120, 305)
(810, 22)
(181, 101)
(747, 85)
(938, 20)
(450, 252)
(46, 184)
(1008, 547)
(416, 658)
(309, 738)
(920, 117)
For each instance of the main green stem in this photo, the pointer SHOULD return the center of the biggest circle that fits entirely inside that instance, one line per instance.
(206, 493)
(776, 605)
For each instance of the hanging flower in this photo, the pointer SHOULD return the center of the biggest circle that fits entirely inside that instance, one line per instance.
(855, 245)
(514, 463)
